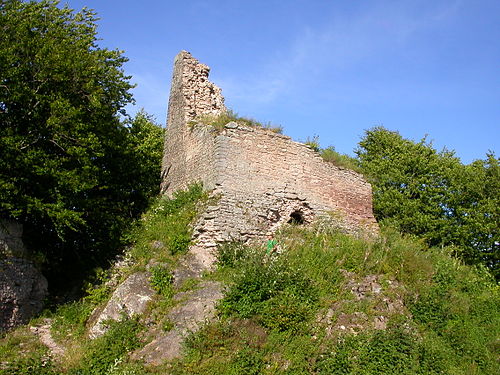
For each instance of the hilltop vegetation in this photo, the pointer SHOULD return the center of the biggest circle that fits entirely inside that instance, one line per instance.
(430, 194)
(326, 303)
(220, 121)
(313, 310)
(77, 173)
(433, 195)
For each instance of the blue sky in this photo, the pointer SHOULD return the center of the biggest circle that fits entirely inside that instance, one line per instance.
(327, 68)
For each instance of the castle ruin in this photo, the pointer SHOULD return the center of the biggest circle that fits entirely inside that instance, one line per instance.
(263, 179)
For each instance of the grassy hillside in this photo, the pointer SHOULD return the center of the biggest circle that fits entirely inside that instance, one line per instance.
(323, 303)
(414, 310)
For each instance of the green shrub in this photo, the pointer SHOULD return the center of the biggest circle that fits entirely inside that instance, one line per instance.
(161, 281)
(461, 307)
(339, 360)
(381, 352)
(181, 200)
(259, 279)
(286, 312)
(247, 362)
(210, 338)
(230, 253)
(167, 223)
(37, 363)
(434, 356)
(69, 319)
(179, 242)
(20, 351)
(313, 143)
(97, 291)
(330, 155)
(103, 353)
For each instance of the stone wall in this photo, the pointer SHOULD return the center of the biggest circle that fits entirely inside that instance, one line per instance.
(265, 180)
(262, 179)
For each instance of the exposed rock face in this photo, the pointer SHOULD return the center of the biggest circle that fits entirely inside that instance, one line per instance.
(129, 299)
(262, 179)
(386, 297)
(22, 286)
(194, 308)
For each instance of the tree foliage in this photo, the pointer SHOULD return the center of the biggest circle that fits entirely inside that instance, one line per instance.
(433, 195)
(70, 170)
(146, 144)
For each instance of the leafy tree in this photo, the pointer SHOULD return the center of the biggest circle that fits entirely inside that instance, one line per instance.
(59, 98)
(146, 141)
(70, 170)
(433, 195)
(474, 212)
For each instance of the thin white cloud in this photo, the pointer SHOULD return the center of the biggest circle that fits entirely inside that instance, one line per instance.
(340, 44)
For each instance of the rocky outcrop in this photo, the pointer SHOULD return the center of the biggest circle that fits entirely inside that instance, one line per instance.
(23, 288)
(384, 295)
(194, 308)
(129, 299)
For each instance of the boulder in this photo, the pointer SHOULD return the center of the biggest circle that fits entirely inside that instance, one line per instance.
(129, 299)
(23, 288)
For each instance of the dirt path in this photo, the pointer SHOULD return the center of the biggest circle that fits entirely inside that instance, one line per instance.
(43, 332)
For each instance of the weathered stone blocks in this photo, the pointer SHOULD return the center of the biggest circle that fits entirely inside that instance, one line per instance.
(262, 179)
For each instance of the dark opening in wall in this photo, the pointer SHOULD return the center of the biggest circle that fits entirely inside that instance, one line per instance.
(296, 218)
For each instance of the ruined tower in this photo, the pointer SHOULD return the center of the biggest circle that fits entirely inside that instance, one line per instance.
(263, 179)
(188, 155)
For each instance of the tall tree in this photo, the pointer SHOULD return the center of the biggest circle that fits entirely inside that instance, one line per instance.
(67, 163)
(433, 195)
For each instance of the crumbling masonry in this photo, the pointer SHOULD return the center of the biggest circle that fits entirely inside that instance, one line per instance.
(263, 179)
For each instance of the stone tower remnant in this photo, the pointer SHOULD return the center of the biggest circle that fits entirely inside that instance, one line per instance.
(263, 179)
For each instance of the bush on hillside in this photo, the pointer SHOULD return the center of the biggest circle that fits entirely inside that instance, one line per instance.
(433, 195)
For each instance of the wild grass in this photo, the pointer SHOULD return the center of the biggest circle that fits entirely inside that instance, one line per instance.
(165, 229)
(269, 316)
(220, 121)
(162, 235)
(22, 353)
(272, 317)
(330, 155)
(313, 143)
(103, 355)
